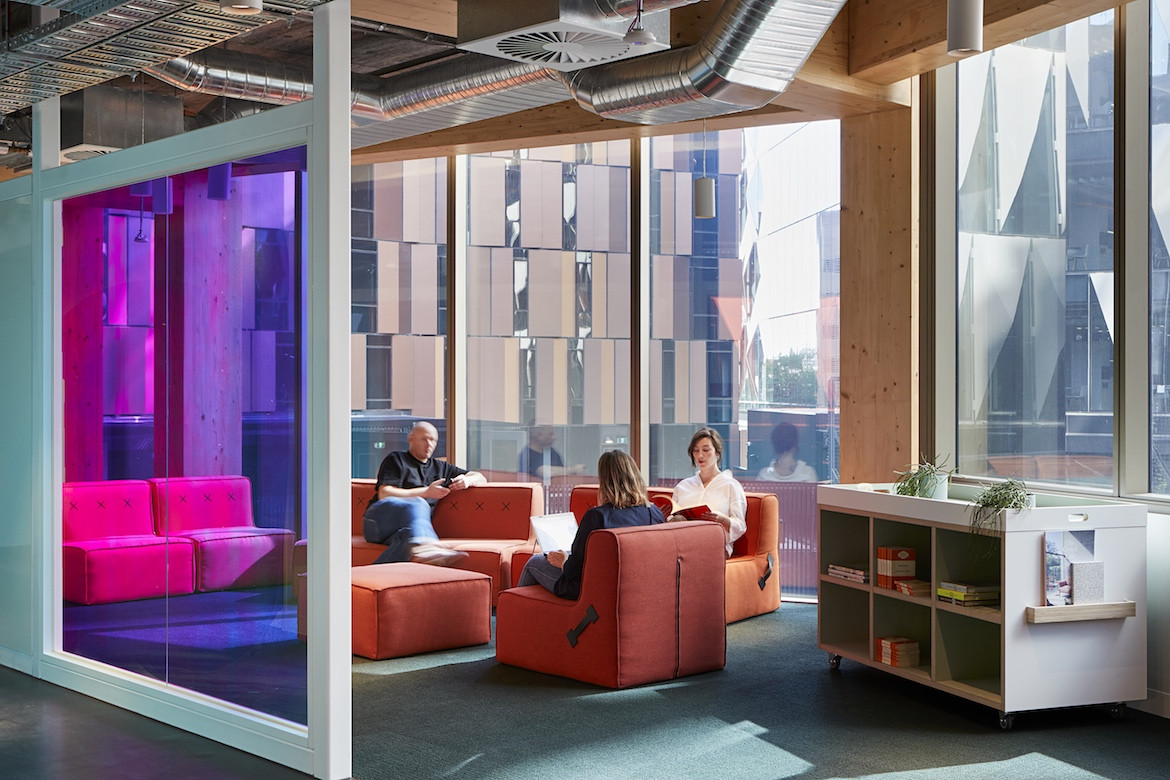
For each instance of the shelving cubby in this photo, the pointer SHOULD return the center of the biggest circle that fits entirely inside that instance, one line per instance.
(1015, 656)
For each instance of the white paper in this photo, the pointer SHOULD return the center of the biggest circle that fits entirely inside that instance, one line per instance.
(555, 532)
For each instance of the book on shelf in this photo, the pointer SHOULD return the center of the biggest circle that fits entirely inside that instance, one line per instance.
(896, 651)
(967, 602)
(849, 568)
(969, 587)
(848, 572)
(912, 587)
(895, 563)
(960, 597)
(1061, 550)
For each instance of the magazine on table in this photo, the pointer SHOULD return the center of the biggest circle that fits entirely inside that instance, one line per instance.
(556, 531)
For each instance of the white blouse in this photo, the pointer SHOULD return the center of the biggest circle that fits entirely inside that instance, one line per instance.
(723, 494)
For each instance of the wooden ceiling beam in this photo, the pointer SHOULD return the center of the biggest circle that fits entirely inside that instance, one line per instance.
(892, 40)
(433, 16)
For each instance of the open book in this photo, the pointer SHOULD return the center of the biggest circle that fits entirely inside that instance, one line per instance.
(555, 532)
(668, 507)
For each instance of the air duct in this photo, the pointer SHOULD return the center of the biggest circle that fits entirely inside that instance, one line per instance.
(748, 57)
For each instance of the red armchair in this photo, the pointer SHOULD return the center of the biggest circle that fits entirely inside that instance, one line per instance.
(110, 551)
(650, 609)
(215, 513)
(753, 570)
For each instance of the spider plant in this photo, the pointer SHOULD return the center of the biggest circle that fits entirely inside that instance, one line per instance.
(985, 512)
(922, 479)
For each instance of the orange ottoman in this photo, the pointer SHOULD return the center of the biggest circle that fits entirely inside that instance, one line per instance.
(407, 608)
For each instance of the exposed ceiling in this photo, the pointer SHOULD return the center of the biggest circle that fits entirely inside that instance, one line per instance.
(409, 47)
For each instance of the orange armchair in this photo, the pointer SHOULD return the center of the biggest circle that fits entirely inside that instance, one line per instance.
(650, 609)
(753, 570)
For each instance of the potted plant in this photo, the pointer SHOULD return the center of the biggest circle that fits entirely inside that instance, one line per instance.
(1012, 493)
(925, 480)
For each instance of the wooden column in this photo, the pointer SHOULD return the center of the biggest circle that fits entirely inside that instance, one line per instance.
(199, 370)
(879, 295)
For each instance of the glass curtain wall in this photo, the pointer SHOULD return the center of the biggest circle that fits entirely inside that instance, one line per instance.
(1035, 217)
(548, 342)
(744, 333)
(182, 324)
(399, 306)
(1159, 443)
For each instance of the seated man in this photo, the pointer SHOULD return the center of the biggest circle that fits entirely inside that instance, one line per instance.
(540, 458)
(409, 485)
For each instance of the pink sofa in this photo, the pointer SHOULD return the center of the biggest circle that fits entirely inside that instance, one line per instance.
(110, 550)
(489, 522)
(215, 513)
(650, 609)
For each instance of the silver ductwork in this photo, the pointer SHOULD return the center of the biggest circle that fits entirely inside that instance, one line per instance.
(99, 40)
(748, 57)
(447, 93)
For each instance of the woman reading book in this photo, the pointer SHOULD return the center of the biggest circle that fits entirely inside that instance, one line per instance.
(717, 490)
(621, 498)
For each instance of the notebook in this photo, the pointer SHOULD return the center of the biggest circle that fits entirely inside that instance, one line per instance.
(555, 532)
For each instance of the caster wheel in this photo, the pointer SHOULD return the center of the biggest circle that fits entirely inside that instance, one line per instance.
(1005, 720)
(834, 662)
(1117, 711)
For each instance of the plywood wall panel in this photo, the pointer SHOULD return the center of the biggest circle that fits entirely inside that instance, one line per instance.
(879, 280)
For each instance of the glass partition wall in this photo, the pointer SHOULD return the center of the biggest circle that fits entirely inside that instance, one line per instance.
(182, 346)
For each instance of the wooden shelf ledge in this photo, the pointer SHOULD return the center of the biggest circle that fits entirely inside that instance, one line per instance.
(1073, 612)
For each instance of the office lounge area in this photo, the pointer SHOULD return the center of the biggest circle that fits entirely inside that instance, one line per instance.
(884, 414)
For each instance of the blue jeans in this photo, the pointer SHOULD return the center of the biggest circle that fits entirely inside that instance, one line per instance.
(398, 523)
(538, 571)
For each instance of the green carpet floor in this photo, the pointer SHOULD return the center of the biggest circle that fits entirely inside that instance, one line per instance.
(776, 711)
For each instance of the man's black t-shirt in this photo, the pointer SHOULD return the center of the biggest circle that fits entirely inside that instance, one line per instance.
(403, 470)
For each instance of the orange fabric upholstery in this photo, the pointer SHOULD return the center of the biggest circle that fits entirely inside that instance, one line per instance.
(650, 609)
(407, 608)
(753, 570)
(489, 522)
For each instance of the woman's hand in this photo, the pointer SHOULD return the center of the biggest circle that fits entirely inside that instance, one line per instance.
(557, 558)
(722, 519)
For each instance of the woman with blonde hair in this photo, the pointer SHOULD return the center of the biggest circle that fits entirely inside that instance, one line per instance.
(621, 498)
(717, 490)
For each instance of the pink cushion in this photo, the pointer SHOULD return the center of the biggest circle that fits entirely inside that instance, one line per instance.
(241, 557)
(125, 568)
(195, 503)
(407, 608)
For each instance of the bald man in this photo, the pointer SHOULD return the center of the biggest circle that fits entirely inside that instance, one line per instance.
(409, 485)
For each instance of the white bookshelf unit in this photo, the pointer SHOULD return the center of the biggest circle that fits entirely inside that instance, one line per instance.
(1018, 656)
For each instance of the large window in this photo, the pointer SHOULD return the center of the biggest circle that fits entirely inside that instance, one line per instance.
(1035, 253)
(1159, 241)
(182, 347)
(399, 306)
(744, 306)
(548, 347)
(744, 326)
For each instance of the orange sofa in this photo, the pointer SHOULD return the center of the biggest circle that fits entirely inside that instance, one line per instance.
(489, 522)
(650, 609)
(753, 570)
